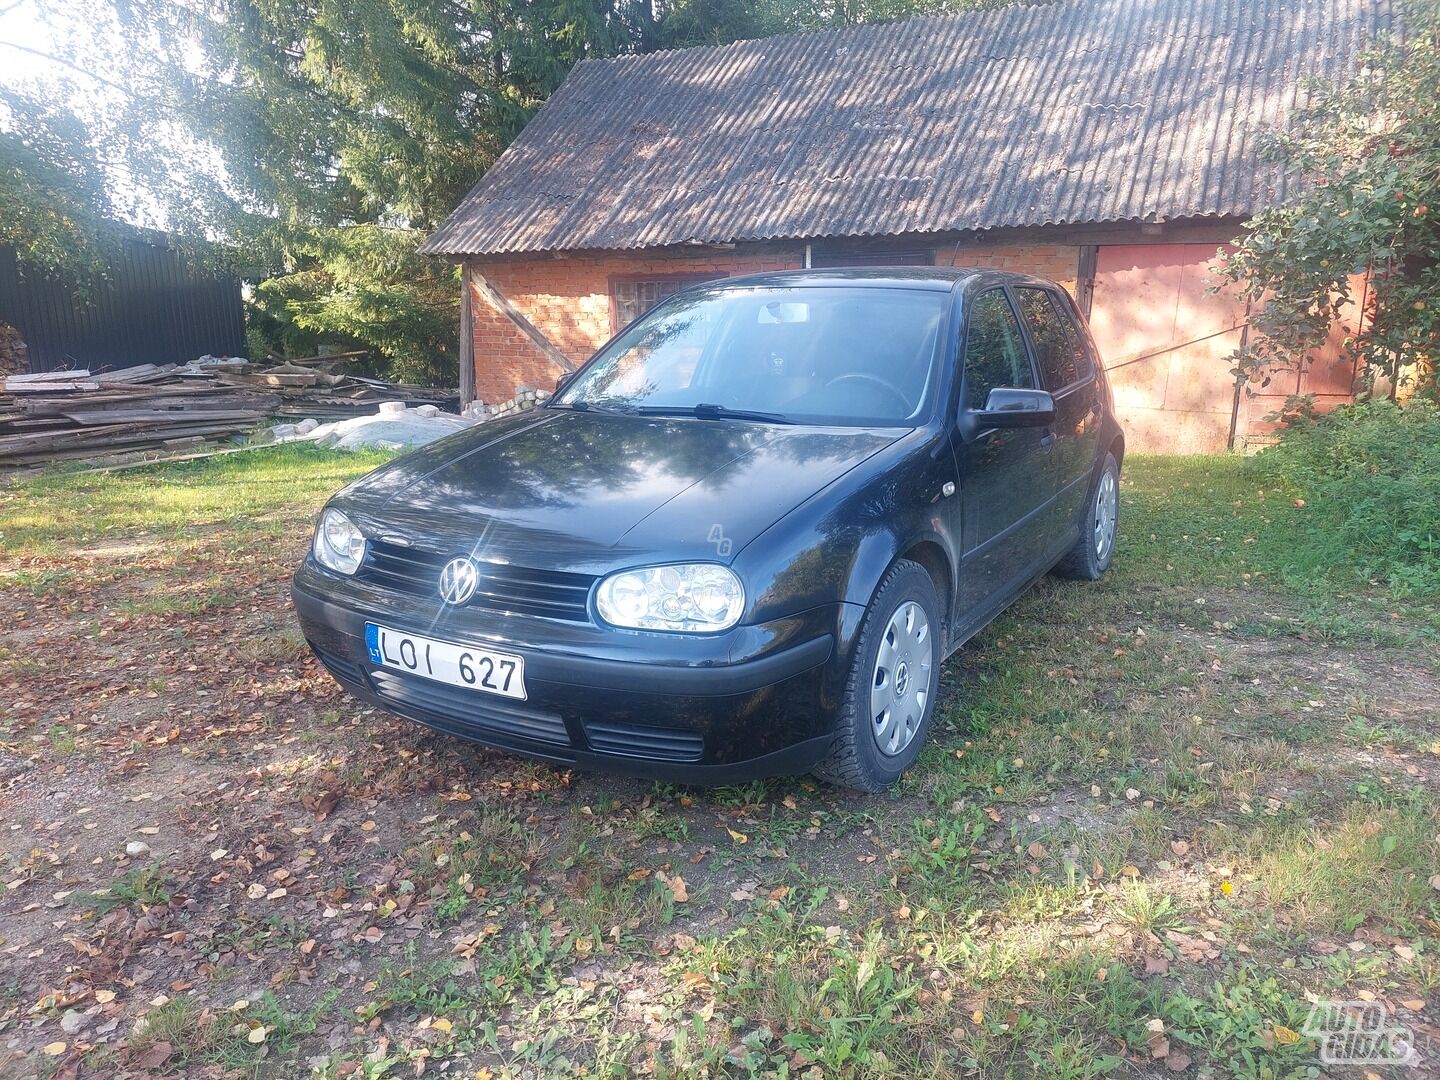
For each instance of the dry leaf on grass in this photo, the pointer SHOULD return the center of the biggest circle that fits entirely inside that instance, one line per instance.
(1177, 1061)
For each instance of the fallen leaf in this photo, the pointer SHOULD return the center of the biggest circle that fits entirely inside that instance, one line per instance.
(1177, 1061)
(738, 837)
(54, 1049)
(442, 1025)
(321, 805)
(154, 1057)
(104, 997)
(1036, 850)
(678, 890)
(1414, 1004)
(257, 1034)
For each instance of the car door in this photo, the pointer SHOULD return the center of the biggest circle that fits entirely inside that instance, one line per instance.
(1067, 370)
(1005, 474)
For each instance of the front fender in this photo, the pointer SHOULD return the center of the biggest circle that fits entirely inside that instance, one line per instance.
(838, 545)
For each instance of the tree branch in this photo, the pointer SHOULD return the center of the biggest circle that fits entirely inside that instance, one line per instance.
(68, 64)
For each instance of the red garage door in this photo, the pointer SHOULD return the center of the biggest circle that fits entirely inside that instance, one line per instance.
(1167, 339)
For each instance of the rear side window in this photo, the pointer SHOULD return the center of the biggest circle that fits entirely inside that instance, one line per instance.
(1063, 357)
(994, 350)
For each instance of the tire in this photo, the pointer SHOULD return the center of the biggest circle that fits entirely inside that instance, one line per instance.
(1091, 555)
(893, 623)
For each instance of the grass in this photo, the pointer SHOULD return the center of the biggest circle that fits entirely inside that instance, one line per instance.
(141, 888)
(237, 1040)
(1158, 812)
(67, 508)
(1334, 877)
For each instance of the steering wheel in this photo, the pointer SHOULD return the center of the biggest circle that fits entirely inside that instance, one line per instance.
(865, 376)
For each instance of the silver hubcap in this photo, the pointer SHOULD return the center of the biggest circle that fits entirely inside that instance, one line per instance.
(901, 685)
(1107, 504)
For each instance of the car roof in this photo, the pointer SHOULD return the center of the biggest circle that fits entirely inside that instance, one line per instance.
(937, 278)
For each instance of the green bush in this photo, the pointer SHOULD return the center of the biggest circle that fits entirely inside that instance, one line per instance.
(1370, 474)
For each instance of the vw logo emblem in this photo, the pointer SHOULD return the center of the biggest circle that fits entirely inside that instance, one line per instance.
(458, 580)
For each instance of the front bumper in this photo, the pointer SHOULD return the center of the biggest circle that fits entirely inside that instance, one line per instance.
(705, 709)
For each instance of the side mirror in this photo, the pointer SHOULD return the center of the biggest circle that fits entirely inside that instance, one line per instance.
(1009, 407)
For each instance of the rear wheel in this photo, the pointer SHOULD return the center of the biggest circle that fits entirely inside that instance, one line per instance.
(893, 681)
(1091, 555)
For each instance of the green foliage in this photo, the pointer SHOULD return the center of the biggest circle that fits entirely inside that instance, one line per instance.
(365, 286)
(53, 199)
(1362, 242)
(143, 887)
(1237, 1022)
(1370, 475)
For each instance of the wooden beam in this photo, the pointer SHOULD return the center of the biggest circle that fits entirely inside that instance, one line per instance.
(467, 339)
(1085, 277)
(502, 304)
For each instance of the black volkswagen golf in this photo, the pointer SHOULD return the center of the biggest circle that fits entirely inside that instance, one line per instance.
(742, 538)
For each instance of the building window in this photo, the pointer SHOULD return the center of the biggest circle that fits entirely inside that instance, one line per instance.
(632, 296)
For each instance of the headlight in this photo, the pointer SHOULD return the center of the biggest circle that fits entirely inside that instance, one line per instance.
(699, 597)
(338, 544)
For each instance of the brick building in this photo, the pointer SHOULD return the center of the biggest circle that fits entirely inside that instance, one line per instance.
(1110, 145)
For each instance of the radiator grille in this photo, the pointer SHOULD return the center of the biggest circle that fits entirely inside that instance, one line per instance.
(551, 594)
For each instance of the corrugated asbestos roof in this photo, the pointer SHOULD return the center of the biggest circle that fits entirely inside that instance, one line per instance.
(1081, 111)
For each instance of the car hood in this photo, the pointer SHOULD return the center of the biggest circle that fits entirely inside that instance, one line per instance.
(590, 491)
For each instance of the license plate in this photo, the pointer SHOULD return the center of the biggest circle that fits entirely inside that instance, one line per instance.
(444, 661)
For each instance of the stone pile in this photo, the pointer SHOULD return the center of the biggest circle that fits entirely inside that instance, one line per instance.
(524, 400)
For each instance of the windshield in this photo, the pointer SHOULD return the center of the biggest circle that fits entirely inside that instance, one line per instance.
(840, 356)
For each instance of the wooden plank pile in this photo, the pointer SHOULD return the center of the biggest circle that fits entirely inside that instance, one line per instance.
(312, 387)
(63, 415)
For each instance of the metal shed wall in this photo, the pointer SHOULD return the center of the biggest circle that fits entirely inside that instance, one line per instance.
(154, 310)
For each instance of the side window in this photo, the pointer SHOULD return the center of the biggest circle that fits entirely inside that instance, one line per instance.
(994, 350)
(1063, 357)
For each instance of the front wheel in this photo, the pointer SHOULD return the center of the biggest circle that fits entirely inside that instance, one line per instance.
(893, 681)
(1091, 555)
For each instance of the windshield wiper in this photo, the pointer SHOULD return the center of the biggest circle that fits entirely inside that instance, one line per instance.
(709, 411)
(583, 406)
